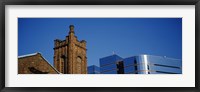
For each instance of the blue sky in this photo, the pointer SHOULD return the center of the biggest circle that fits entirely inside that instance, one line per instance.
(125, 36)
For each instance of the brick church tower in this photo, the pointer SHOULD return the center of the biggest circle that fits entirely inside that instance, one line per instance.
(70, 54)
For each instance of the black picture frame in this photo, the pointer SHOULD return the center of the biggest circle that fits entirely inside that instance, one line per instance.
(3, 3)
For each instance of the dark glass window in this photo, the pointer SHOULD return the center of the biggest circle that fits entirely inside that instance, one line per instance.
(136, 66)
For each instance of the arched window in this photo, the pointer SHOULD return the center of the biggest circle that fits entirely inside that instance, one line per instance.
(79, 61)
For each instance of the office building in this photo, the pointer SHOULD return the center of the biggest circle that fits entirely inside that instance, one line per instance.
(93, 69)
(111, 65)
(150, 64)
(141, 64)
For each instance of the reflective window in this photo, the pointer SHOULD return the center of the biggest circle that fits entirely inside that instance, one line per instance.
(93, 69)
(109, 60)
(129, 69)
(165, 69)
(110, 72)
(129, 61)
(108, 67)
(164, 61)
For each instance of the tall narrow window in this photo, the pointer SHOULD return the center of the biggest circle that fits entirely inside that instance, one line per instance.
(148, 69)
(136, 66)
(79, 60)
(62, 67)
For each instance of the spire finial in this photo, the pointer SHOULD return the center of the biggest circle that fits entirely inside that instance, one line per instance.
(71, 28)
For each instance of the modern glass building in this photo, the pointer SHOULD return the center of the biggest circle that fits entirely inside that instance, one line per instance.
(141, 64)
(93, 69)
(111, 65)
(150, 64)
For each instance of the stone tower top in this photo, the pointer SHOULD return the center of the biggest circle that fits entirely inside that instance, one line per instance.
(71, 28)
(70, 54)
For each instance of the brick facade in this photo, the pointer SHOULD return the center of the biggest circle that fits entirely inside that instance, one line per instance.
(34, 64)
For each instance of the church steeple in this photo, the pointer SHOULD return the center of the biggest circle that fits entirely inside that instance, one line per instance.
(70, 54)
(71, 28)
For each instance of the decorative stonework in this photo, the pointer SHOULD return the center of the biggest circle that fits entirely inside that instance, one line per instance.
(70, 54)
